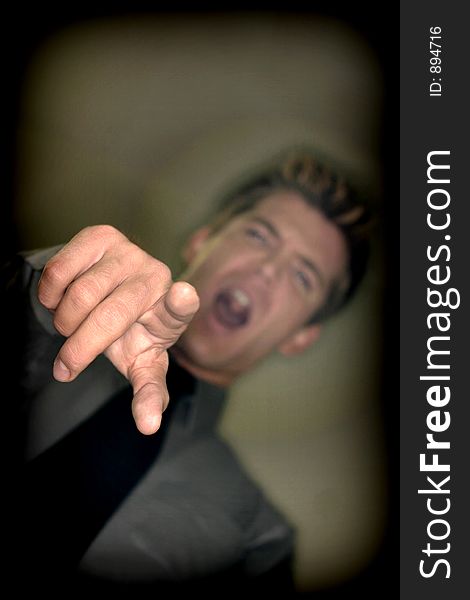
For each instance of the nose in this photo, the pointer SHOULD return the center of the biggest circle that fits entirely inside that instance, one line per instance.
(271, 267)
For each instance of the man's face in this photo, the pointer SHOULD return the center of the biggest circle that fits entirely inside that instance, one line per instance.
(259, 279)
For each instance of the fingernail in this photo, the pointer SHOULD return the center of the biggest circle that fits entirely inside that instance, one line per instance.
(61, 373)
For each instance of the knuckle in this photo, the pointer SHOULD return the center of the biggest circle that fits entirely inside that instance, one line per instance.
(84, 293)
(164, 271)
(60, 324)
(53, 275)
(110, 270)
(110, 316)
(153, 283)
(104, 231)
(158, 268)
(160, 276)
(104, 236)
(72, 356)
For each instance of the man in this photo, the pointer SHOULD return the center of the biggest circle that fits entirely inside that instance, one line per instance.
(172, 506)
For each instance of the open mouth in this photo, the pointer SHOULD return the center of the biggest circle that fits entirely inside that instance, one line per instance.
(232, 308)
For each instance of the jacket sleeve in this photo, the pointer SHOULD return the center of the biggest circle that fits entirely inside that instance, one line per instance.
(30, 339)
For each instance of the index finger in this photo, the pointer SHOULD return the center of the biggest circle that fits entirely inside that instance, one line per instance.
(147, 377)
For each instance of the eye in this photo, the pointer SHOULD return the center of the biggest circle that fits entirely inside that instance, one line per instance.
(256, 235)
(303, 279)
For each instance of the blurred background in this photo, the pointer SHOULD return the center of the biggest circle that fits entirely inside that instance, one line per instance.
(144, 121)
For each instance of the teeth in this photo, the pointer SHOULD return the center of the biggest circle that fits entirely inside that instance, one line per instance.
(241, 297)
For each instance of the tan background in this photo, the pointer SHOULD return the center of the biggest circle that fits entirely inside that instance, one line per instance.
(143, 123)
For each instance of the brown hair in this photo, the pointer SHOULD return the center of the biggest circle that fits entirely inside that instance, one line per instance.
(323, 189)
